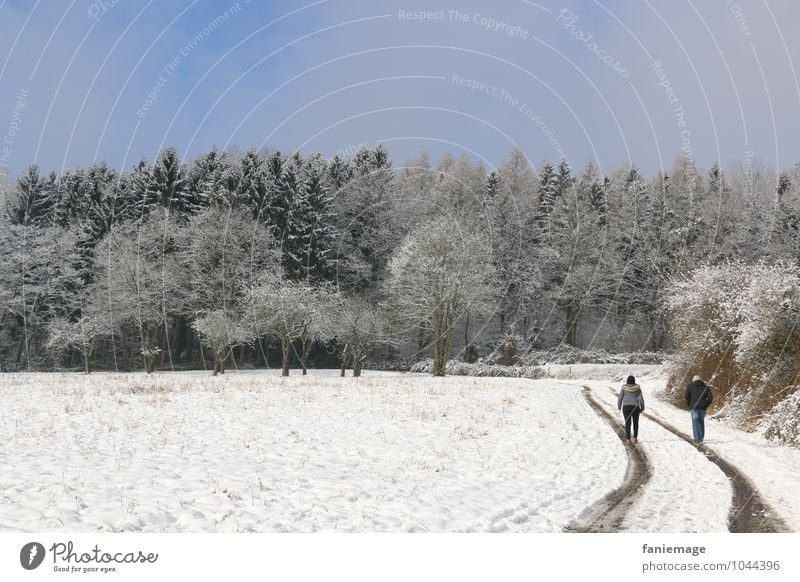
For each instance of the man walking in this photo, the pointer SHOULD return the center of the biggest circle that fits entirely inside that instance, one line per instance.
(698, 399)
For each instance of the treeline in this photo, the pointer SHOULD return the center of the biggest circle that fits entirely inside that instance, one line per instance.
(237, 259)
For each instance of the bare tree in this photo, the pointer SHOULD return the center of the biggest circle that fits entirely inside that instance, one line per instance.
(220, 331)
(441, 272)
(359, 326)
(292, 312)
(80, 335)
(139, 281)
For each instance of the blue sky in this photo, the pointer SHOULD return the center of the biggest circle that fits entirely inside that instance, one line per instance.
(75, 76)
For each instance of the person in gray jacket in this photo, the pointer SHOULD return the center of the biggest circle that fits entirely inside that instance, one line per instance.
(631, 403)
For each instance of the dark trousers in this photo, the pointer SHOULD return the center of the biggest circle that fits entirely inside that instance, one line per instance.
(631, 414)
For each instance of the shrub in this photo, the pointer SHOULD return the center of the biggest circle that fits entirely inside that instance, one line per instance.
(508, 349)
(783, 423)
(457, 368)
(737, 326)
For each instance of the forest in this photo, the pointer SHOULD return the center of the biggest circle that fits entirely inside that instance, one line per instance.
(263, 259)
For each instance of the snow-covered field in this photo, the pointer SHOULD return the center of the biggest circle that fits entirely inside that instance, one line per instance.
(251, 451)
(255, 452)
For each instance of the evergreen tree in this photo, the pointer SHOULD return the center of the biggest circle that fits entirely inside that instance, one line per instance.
(205, 180)
(318, 234)
(33, 198)
(547, 195)
(288, 210)
(253, 187)
(575, 269)
(366, 221)
(136, 186)
(168, 183)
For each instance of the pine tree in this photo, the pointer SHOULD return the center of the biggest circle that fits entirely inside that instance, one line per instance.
(253, 186)
(168, 183)
(366, 221)
(136, 188)
(34, 198)
(287, 210)
(492, 187)
(205, 180)
(547, 196)
(319, 234)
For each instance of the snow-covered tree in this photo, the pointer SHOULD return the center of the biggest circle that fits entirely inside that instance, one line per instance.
(220, 331)
(34, 198)
(440, 272)
(168, 183)
(139, 281)
(207, 181)
(81, 335)
(39, 281)
(365, 222)
(359, 326)
(573, 259)
(224, 252)
(293, 312)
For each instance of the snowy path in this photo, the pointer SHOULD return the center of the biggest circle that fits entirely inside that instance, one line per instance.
(687, 493)
(773, 469)
(608, 514)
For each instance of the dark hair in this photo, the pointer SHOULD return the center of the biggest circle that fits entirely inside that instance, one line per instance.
(630, 381)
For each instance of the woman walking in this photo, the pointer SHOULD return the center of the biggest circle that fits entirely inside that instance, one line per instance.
(631, 403)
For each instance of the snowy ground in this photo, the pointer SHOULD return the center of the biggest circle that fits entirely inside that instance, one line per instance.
(687, 493)
(774, 469)
(251, 451)
(254, 452)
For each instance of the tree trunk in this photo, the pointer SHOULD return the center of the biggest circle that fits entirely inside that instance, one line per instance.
(502, 322)
(439, 357)
(263, 351)
(285, 353)
(152, 360)
(357, 364)
(572, 324)
(216, 363)
(436, 371)
(87, 364)
(188, 345)
(305, 347)
(344, 361)
(181, 331)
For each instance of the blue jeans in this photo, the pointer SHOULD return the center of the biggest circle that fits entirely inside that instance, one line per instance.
(698, 425)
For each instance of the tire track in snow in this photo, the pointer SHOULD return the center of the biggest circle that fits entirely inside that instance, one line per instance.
(749, 513)
(608, 514)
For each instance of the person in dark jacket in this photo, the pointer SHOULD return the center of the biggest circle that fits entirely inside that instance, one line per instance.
(698, 398)
(631, 403)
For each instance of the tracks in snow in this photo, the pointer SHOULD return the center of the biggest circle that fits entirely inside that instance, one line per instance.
(749, 513)
(608, 514)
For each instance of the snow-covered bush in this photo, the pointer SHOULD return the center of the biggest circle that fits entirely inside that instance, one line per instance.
(509, 348)
(783, 423)
(571, 355)
(736, 325)
(457, 368)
